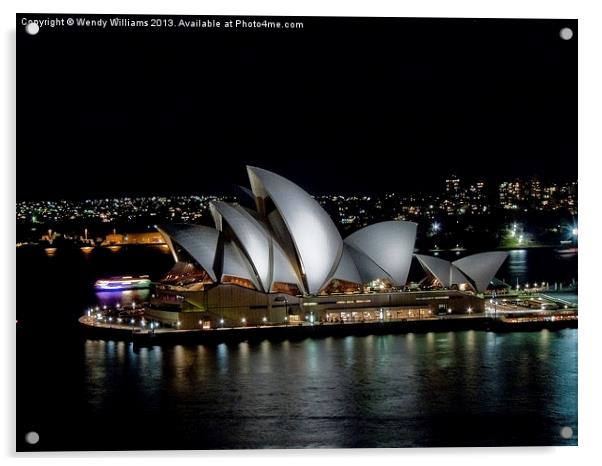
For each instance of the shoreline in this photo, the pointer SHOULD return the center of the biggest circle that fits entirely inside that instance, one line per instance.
(281, 332)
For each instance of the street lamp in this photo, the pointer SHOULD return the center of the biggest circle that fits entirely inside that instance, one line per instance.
(243, 321)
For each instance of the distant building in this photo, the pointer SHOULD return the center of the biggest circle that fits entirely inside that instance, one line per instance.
(477, 198)
(452, 186)
(454, 196)
(512, 194)
(118, 239)
(535, 191)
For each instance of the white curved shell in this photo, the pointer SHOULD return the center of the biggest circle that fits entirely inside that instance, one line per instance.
(252, 236)
(316, 239)
(366, 267)
(200, 243)
(236, 265)
(482, 267)
(347, 270)
(444, 271)
(282, 270)
(285, 243)
(389, 245)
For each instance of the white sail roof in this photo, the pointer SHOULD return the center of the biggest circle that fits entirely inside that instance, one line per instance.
(389, 245)
(200, 242)
(347, 270)
(282, 269)
(482, 267)
(444, 271)
(316, 239)
(366, 267)
(297, 243)
(235, 264)
(252, 236)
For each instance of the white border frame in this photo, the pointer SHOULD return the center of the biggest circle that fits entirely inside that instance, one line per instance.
(590, 150)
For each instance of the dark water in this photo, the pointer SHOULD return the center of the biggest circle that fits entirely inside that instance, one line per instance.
(435, 389)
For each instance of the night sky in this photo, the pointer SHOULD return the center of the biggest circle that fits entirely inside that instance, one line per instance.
(342, 106)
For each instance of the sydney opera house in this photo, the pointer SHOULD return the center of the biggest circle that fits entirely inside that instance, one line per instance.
(285, 262)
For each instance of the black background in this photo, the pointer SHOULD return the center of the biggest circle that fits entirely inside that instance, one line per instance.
(344, 105)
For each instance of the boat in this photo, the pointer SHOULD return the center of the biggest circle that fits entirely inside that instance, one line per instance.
(126, 282)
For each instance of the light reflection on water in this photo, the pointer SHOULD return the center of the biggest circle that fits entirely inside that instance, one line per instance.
(539, 265)
(392, 390)
(517, 266)
(123, 297)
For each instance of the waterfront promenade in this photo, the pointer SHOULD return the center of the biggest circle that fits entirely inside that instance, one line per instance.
(503, 322)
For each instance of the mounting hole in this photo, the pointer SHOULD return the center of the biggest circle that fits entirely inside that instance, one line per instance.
(566, 33)
(32, 437)
(32, 28)
(566, 432)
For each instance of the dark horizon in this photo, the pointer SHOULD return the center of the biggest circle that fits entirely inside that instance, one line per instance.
(343, 106)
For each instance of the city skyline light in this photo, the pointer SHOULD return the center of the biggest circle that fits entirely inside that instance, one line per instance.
(477, 198)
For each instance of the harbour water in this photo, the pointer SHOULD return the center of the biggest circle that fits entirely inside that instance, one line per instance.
(469, 388)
